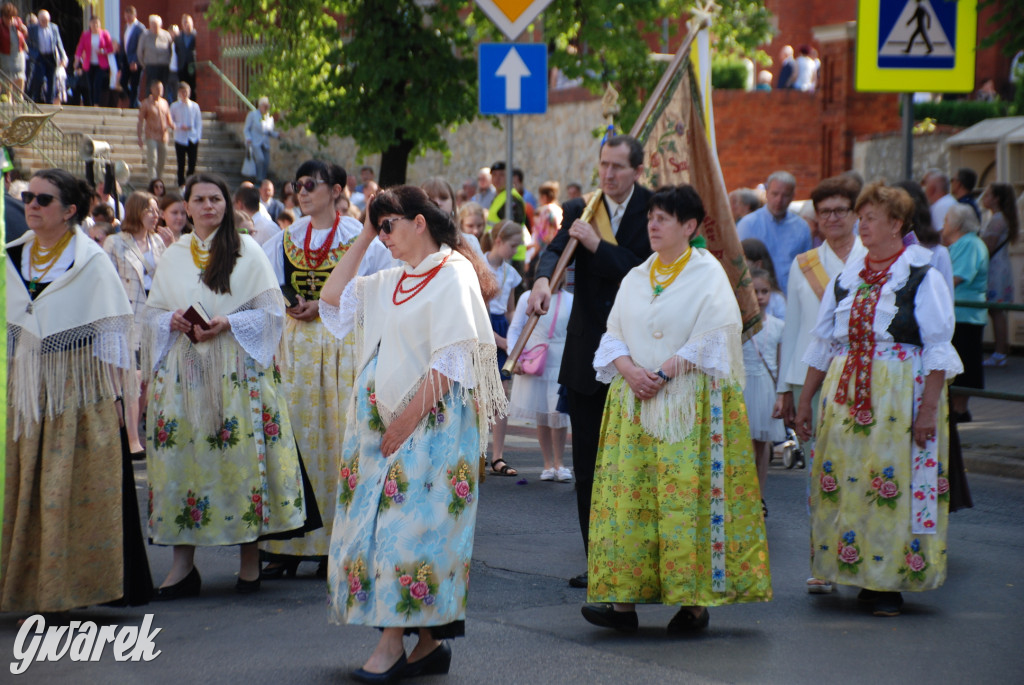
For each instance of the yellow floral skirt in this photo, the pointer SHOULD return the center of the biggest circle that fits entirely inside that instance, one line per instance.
(678, 523)
(862, 483)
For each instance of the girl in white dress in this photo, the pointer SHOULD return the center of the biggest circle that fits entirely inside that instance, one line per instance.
(535, 397)
(761, 361)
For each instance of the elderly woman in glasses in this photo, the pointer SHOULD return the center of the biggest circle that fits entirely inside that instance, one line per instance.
(67, 499)
(427, 389)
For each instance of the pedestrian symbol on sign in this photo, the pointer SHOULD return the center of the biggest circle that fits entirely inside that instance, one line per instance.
(920, 36)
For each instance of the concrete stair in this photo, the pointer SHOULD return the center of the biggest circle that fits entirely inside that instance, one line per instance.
(221, 149)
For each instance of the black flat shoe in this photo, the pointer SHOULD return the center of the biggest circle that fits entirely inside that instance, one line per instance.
(436, 663)
(188, 586)
(276, 570)
(247, 587)
(888, 604)
(579, 581)
(685, 622)
(321, 569)
(138, 456)
(392, 675)
(866, 595)
(604, 615)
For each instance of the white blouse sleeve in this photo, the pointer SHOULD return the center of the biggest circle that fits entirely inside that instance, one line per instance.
(274, 249)
(933, 310)
(819, 351)
(163, 338)
(515, 329)
(610, 349)
(259, 332)
(710, 353)
(341, 320)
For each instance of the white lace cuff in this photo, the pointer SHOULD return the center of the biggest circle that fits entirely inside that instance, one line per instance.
(610, 349)
(818, 354)
(112, 347)
(455, 362)
(711, 352)
(941, 357)
(341, 320)
(164, 338)
(254, 329)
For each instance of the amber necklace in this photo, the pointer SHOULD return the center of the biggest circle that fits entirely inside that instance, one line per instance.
(418, 287)
(663, 275)
(200, 255)
(42, 259)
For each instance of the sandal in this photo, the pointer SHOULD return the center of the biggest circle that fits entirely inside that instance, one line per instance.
(817, 586)
(504, 469)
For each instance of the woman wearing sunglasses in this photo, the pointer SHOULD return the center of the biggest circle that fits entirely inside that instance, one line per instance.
(318, 382)
(221, 457)
(66, 502)
(426, 391)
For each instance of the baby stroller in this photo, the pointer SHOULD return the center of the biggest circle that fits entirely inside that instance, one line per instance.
(790, 451)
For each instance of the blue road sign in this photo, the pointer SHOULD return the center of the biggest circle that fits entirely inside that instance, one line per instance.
(917, 34)
(513, 78)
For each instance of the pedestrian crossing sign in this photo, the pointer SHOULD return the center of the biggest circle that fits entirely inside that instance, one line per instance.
(916, 45)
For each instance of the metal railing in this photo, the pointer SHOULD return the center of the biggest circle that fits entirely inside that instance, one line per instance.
(229, 84)
(52, 146)
(236, 69)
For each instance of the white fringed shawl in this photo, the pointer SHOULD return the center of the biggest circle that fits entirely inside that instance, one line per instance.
(254, 306)
(696, 318)
(422, 333)
(78, 328)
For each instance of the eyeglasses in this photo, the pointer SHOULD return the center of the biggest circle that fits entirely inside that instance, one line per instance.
(44, 199)
(309, 184)
(388, 225)
(839, 213)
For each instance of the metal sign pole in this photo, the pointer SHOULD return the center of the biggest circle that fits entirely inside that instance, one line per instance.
(508, 168)
(908, 135)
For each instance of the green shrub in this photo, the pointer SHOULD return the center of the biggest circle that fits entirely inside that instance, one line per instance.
(728, 73)
(960, 112)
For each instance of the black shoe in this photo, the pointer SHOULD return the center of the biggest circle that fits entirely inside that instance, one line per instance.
(958, 417)
(392, 675)
(138, 456)
(279, 569)
(888, 604)
(247, 587)
(321, 569)
(685, 622)
(604, 615)
(186, 587)
(866, 595)
(436, 663)
(579, 581)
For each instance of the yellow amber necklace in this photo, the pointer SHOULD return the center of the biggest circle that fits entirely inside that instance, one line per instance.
(662, 275)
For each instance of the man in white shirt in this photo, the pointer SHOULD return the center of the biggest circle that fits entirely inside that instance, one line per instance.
(247, 199)
(936, 189)
(188, 131)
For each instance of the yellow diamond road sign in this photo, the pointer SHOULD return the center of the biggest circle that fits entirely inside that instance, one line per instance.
(512, 16)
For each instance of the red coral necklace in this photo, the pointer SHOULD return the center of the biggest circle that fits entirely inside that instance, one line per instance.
(417, 287)
(314, 258)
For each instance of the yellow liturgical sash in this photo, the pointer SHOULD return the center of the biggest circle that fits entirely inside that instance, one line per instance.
(602, 222)
(813, 270)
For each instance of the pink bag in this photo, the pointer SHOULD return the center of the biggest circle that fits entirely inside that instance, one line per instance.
(534, 359)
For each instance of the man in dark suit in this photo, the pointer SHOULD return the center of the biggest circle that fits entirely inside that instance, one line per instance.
(611, 246)
(46, 50)
(133, 31)
(185, 53)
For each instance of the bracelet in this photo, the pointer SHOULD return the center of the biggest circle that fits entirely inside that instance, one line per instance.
(661, 374)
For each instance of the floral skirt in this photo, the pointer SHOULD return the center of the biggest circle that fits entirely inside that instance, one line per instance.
(236, 485)
(863, 483)
(403, 526)
(678, 523)
(316, 386)
(62, 525)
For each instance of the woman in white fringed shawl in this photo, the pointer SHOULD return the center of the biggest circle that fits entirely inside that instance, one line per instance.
(676, 514)
(68, 333)
(427, 389)
(222, 462)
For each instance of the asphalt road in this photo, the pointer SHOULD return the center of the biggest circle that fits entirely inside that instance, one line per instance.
(524, 625)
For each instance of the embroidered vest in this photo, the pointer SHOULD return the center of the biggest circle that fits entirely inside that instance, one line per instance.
(904, 326)
(299, 278)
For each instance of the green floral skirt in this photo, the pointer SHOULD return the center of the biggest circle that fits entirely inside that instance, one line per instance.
(678, 523)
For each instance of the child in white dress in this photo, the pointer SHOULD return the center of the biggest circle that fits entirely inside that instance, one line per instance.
(761, 360)
(535, 397)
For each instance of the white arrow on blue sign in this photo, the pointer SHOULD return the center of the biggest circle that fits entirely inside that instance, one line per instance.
(513, 78)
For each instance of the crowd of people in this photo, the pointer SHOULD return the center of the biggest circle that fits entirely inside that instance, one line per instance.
(317, 377)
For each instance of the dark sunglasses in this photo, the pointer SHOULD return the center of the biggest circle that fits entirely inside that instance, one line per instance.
(309, 184)
(44, 199)
(388, 225)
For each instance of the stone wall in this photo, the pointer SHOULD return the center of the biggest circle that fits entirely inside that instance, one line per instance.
(881, 156)
(559, 146)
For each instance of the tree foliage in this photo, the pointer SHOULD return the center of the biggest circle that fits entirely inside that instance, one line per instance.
(395, 74)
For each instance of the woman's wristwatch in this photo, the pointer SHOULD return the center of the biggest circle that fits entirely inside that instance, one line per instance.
(661, 374)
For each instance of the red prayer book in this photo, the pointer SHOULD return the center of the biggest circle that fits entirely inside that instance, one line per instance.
(197, 316)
